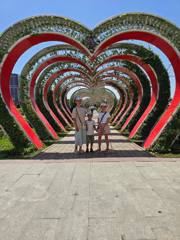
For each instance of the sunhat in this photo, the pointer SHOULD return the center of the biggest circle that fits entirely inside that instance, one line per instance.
(78, 98)
(104, 104)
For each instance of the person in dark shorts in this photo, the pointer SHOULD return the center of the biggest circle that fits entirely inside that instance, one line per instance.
(90, 127)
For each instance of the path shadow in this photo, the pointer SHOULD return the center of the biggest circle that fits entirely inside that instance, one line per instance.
(111, 140)
(103, 154)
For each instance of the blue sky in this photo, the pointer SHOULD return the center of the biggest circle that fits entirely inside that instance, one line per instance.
(88, 12)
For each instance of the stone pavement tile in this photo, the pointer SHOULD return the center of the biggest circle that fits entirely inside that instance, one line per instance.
(35, 169)
(57, 193)
(163, 233)
(90, 200)
(151, 203)
(136, 228)
(148, 172)
(105, 190)
(170, 224)
(39, 229)
(104, 229)
(19, 214)
(131, 176)
(19, 205)
(75, 223)
(12, 176)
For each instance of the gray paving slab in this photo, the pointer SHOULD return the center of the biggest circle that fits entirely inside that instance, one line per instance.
(120, 147)
(106, 197)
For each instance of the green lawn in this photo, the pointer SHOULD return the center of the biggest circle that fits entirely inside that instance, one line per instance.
(168, 155)
(6, 148)
(8, 151)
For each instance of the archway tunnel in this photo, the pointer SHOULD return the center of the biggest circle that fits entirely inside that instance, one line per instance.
(110, 63)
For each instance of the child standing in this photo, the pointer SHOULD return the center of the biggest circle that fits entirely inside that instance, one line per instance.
(103, 126)
(90, 127)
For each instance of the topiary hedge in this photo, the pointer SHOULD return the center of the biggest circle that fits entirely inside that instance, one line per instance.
(16, 135)
(164, 142)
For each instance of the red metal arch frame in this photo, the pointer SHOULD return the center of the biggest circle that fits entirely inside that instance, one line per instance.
(59, 85)
(136, 81)
(48, 84)
(64, 100)
(62, 104)
(108, 83)
(118, 106)
(37, 72)
(123, 105)
(6, 69)
(154, 83)
(122, 93)
(56, 89)
(29, 41)
(173, 57)
(54, 97)
(121, 90)
(126, 106)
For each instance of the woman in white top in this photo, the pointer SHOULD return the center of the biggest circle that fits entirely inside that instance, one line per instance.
(78, 116)
(103, 126)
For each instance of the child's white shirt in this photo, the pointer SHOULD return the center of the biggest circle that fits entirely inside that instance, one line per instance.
(90, 127)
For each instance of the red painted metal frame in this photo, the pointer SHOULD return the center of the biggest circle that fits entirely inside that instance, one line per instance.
(126, 106)
(32, 91)
(46, 89)
(64, 100)
(54, 98)
(123, 97)
(55, 91)
(63, 108)
(154, 83)
(125, 102)
(48, 84)
(6, 69)
(118, 107)
(24, 44)
(120, 90)
(139, 88)
(173, 57)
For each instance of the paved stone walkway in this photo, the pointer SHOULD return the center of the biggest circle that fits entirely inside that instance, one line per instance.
(121, 148)
(117, 198)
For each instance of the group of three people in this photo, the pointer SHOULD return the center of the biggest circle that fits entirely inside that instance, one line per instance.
(84, 129)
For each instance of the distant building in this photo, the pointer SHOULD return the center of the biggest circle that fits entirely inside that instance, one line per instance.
(14, 87)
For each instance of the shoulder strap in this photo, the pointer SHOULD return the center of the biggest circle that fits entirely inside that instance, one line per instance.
(102, 117)
(78, 116)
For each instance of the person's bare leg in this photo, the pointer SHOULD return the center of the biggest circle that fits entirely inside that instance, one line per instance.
(107, 141)
(75, 148)
(91, 147)
(80, 149)
(87, 147)
(99, 142)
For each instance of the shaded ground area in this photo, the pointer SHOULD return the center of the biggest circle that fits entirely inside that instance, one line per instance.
(121, 147)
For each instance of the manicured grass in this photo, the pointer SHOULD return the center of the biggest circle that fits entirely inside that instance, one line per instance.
(6, 147)
(167, 155)
(7, 150)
